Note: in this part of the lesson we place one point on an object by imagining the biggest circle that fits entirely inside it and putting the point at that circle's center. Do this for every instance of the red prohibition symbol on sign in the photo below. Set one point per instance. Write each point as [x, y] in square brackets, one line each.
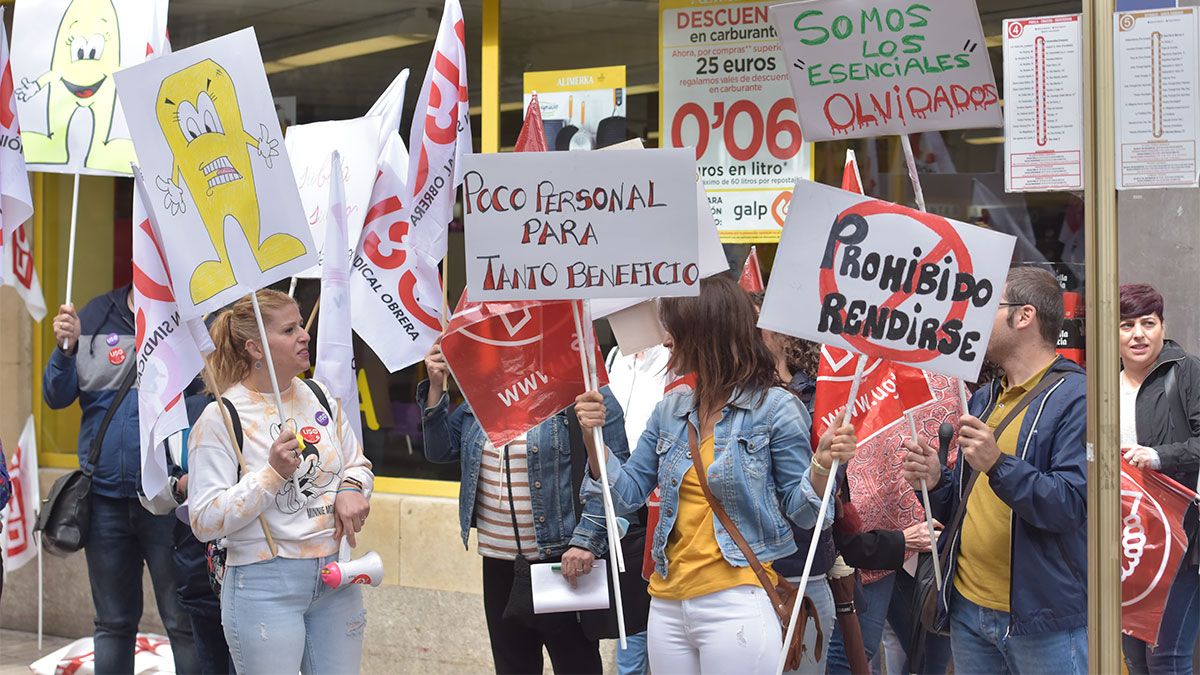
[949, 244]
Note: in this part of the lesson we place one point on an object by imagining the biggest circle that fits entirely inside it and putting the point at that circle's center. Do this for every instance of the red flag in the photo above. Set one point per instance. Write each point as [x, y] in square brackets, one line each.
[533, 134]
[1153, 544]
[751, 279]
[851, 180]
[516, 363]
[887, 391]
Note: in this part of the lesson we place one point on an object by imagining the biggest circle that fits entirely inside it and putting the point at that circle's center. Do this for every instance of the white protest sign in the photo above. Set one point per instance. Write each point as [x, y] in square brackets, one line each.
[566, 226]
[861, 69]
[712, 256]
[887, 281]
[220, 183]
[64, 55]
[309, 147]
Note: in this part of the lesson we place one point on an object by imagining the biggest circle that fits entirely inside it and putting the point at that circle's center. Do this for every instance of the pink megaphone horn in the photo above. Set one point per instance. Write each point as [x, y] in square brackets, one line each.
[367, 570]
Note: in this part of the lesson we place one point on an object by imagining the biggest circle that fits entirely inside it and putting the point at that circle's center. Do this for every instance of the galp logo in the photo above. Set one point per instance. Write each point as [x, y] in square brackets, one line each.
[779, 208]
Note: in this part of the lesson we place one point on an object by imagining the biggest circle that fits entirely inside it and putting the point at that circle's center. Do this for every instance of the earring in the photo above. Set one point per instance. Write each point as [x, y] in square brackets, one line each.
[258, 365]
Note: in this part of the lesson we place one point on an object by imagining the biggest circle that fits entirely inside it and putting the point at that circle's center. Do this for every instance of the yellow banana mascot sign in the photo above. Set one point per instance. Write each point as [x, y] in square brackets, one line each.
[215, 171]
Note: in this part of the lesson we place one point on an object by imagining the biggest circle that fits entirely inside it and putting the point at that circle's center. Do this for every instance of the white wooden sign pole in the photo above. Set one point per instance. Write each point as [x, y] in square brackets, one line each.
[616, 557]
[830, 481]
[262, 335]
[71, 245]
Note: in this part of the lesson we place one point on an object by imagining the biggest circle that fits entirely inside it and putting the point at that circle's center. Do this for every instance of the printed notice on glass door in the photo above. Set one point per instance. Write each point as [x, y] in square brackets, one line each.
[725, 93]
[1158, 106]
[1043, 95]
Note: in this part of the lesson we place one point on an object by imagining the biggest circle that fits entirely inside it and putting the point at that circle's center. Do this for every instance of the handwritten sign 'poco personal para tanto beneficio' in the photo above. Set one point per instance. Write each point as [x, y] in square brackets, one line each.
[882, 67]
[576, 225]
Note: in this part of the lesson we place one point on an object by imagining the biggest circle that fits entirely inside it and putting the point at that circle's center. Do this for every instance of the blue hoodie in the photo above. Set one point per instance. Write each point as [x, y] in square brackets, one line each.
[93, 374]
[1045, 484]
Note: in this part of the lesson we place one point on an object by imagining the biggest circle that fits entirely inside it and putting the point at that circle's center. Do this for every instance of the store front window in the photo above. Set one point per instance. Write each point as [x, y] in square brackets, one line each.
[961, 172]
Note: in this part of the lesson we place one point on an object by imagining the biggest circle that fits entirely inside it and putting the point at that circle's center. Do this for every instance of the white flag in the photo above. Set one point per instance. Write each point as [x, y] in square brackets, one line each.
[389, 107]
[441, 135]
[170, 352]
[335, 346]
[16, 204]
[395, 293]
[21, 512]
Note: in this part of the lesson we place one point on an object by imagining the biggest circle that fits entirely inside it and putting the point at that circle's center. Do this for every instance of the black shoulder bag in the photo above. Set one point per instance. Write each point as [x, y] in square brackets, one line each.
[66, 513]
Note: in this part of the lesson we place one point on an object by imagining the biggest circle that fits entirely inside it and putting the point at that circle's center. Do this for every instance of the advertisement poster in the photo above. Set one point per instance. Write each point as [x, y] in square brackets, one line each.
[884, 67]
[582, 109]
[1043, 121]
[1154, 56]
[724, 91]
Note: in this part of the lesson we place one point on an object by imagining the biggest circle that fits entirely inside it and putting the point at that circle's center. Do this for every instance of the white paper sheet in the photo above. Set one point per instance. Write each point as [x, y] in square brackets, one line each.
[552, 593]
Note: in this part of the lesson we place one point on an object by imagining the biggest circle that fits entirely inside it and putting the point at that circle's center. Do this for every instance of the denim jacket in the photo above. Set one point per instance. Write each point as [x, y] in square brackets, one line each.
[759, 472]
[457, 436]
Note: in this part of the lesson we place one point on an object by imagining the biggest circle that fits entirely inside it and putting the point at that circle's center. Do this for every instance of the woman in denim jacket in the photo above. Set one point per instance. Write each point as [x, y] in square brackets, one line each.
[708, 612]
[542, 504]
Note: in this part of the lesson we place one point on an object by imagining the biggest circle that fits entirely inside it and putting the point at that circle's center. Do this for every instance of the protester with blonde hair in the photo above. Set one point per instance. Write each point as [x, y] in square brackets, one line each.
[308, 480]
[710, 612]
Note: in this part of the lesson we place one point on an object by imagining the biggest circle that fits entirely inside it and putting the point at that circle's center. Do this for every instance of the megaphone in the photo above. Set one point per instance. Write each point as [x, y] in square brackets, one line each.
[367, 570]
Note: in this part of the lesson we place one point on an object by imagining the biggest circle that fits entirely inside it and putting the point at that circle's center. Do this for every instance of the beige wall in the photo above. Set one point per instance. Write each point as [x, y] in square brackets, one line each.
[16, 349]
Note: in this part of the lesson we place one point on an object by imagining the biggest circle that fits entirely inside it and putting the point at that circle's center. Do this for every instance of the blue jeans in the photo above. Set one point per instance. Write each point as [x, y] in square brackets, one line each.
[1176, 633]
[822, 598]
[634, 659]
[878, 597]
[280, 618]
[981, 644]
[122, 536]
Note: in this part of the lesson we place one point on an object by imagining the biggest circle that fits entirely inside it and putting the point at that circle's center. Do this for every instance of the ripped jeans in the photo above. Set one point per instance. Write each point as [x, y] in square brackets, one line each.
[280, 618]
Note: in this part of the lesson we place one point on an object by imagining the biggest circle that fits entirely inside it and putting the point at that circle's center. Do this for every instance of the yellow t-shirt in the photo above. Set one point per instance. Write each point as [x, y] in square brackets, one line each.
[984, 568]
[695, 566]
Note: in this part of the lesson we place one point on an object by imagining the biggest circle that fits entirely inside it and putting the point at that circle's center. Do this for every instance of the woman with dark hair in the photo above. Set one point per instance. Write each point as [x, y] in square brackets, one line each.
[709, 612]
[1160, 430]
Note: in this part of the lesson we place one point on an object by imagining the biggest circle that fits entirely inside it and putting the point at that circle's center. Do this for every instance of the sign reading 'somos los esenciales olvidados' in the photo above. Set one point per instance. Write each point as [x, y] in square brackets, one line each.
[887, 281]
[881, 67]
[562, 226]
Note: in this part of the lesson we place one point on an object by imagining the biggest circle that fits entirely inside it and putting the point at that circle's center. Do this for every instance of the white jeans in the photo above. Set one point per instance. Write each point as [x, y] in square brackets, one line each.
[730, 631]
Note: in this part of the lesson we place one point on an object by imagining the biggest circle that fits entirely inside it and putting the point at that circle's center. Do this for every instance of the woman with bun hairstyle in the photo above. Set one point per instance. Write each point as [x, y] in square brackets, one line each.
[709, 612]
[307, 484]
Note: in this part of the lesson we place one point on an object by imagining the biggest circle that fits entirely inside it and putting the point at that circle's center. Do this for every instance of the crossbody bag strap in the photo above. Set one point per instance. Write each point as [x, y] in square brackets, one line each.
[512, 506]
[727, 522]
[1046, 383]
[98, 439]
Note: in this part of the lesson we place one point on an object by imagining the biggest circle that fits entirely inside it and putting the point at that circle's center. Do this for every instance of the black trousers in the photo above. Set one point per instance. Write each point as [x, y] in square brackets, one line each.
[517, 645]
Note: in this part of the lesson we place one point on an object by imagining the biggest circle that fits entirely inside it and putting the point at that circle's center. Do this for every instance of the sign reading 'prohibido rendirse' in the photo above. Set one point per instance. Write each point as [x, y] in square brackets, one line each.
[884, 280]
[881, 67]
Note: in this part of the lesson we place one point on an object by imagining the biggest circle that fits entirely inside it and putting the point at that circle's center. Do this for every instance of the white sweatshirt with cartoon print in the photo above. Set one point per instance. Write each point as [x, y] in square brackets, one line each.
[226, 502]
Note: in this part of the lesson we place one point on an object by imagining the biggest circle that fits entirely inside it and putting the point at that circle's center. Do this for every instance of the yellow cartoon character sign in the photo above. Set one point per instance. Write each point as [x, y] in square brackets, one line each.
[65, 54]
[229, 211]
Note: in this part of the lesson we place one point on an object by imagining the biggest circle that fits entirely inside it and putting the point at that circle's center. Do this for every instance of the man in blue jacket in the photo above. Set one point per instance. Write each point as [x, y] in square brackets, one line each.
[1017, 565]
[98, 353]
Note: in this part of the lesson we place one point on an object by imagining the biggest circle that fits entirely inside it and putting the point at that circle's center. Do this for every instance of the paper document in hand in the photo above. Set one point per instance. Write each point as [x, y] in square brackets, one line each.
[553, 593]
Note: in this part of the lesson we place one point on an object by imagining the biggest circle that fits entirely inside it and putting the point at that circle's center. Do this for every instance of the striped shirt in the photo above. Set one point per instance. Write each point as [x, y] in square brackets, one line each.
[493, 509]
